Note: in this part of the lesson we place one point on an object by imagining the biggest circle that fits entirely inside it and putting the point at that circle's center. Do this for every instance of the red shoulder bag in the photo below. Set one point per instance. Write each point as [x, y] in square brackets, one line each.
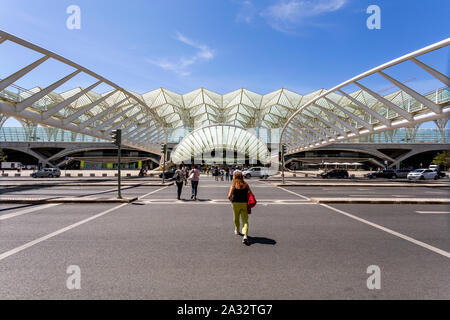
[251, 202]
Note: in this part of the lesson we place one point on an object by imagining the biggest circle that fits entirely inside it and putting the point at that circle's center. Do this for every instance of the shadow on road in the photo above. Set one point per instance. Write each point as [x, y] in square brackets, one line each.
[260, 240]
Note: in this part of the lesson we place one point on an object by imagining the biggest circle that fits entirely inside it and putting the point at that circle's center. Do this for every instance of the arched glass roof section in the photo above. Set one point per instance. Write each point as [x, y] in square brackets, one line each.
[339, 115]
[222, 136]
[79, 110]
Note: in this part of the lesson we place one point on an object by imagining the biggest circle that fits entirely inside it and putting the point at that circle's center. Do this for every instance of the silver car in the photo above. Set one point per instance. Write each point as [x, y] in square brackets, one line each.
[47, 173]
[422, 174]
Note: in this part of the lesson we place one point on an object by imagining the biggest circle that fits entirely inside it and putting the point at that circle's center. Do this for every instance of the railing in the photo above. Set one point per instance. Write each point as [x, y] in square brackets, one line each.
[17, 94]
[406, 135]
[40, 134]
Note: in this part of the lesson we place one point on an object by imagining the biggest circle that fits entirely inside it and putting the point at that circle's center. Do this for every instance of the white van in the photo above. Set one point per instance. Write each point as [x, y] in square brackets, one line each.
[257, 172]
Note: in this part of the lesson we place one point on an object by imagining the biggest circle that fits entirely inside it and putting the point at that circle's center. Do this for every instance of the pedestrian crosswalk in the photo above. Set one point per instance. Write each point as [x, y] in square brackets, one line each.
[221, 201]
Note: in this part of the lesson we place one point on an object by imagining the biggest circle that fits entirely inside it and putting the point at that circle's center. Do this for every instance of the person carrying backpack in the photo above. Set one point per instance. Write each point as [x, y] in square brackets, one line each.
[238, 195]
[180, 178]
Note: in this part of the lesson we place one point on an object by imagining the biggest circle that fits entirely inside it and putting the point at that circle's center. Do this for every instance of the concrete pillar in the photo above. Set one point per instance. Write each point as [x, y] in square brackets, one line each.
[441, 123]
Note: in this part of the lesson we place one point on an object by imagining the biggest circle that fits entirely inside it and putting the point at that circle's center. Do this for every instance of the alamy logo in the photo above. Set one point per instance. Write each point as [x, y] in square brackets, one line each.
[74, 20]
[374, 280]
[373, 21]
[74, 280]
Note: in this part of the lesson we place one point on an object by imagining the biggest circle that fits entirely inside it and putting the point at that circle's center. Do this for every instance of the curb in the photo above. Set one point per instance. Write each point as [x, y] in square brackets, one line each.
[67, 200]
[429, 185]
[87, 184]
[381, 200]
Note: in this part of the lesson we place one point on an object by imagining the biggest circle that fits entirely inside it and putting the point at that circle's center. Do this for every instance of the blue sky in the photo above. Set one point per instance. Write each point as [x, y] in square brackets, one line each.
[223, 45]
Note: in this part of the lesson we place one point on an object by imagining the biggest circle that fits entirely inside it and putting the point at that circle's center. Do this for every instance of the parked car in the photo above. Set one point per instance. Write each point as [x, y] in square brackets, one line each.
[388, 173]
[436, 168]
[47, 173]
[334, 173]
[422, 174]
[168, 174]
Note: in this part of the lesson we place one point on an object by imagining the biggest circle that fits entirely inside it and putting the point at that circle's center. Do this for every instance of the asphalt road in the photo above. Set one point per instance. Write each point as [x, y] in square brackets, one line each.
[160, 248]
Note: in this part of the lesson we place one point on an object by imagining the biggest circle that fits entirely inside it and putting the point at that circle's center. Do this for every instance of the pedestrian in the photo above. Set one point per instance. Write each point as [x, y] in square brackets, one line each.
[238, 193]
[227, 174]
[216, 173]
[222, 173]
[180, 178]
[194, 176]
[184, 169]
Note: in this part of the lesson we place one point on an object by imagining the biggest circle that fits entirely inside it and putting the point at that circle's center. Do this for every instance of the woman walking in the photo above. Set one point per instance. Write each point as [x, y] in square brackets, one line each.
[238, 197]
[194, 176]
[180, 178]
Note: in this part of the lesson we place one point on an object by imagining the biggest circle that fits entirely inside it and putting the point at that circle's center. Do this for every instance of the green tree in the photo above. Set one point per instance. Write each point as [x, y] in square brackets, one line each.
[442, 159]
[3, 156]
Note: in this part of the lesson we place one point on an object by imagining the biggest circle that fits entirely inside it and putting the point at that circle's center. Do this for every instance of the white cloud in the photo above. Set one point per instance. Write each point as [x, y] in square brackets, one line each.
[180, 66]
[287, 14]
[247, 12]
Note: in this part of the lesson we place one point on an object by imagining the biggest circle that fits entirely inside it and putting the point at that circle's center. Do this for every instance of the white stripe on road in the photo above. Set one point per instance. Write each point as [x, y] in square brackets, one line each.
[29, 210]
[54, 234]
[191, 202]
[433, 212]
[41, 207]
[298, 195]
[395, 233]
[152, 192]
[60, 231]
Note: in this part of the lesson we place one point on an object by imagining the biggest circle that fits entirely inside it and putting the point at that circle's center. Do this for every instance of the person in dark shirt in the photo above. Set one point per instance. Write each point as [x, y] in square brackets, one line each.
[238, 197]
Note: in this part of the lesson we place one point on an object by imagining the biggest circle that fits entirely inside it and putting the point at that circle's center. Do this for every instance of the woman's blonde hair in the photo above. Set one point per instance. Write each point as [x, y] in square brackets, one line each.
[238, 181]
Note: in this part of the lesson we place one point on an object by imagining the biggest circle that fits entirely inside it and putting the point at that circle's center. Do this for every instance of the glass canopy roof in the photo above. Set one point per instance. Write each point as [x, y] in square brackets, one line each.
[225, 137]
[241, 107]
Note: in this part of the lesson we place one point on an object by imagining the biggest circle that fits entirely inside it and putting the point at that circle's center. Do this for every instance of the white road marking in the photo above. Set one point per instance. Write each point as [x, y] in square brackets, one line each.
[190, 202]
[41, 207]
[298, 195]
[58, 232]
[152, 192]
[395, 233]
[433, 212]
[29, 210]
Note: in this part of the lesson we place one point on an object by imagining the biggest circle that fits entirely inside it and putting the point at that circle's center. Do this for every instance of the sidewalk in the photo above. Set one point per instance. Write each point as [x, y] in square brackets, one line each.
[65, 200]
[361, 184]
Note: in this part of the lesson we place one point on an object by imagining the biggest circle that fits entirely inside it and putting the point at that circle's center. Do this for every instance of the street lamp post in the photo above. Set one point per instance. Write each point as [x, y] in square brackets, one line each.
[117, 138]
[163, 151]
[283, 150]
